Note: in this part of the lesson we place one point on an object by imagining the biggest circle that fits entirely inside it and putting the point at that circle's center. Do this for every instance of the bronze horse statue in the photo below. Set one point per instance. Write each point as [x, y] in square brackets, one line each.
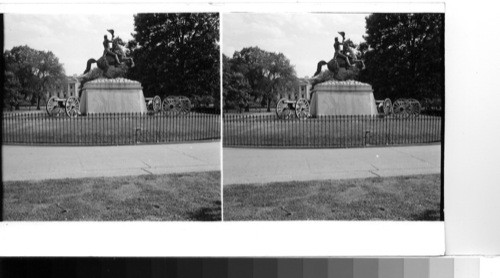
[338, 62]
[107, 60]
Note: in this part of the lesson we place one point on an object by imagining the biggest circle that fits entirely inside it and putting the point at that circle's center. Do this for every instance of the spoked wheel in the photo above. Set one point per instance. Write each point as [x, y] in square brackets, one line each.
[280, 106]
[387, 107]
[72, 107]
[400, 108]
[156, 103]
[52, 107]
[169, 106]
[302, 109]
[414, 107]
[184, 105]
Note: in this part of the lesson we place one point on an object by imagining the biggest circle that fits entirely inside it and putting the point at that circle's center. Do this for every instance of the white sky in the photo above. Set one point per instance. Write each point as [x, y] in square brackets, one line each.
[304, 38]
[72, 38]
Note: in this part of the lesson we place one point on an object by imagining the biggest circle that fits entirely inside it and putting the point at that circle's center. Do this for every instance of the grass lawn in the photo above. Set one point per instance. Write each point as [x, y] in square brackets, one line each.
[395, 198]
[329, 131]
[109, 129]
[174, 197]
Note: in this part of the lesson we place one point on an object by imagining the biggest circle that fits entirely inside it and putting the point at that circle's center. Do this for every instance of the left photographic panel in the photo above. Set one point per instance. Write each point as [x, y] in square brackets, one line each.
[111, 117]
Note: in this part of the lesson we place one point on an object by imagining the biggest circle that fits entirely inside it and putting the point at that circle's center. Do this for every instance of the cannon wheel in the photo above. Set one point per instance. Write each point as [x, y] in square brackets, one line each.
[414, 107]
[72, 107]
[280, 106]
[400, 108]
[387, 107]
[302, 109]
[169, 106]
[183, 105]
[157, 105]
[52, 107]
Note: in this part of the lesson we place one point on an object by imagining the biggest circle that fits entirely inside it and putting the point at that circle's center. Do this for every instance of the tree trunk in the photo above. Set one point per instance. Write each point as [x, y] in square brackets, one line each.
[268, 104]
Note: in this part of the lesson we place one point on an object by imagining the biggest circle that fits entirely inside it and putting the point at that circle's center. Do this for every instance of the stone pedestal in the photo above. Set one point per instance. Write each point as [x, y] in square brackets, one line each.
[343, 98]
[117, 95]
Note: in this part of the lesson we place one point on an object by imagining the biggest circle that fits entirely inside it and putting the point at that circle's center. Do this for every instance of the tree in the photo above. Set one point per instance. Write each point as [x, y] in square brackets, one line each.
[405, 56]
[236, 90]
[12, 89]
[36, 72]
[177, 54]
[268, 74]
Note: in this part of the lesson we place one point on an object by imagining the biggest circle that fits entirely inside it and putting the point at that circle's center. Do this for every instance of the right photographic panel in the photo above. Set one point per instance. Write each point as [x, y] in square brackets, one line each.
[333, 116]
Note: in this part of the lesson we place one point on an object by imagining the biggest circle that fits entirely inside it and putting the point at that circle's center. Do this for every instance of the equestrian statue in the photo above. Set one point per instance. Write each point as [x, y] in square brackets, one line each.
[346, 58]
[114, 61]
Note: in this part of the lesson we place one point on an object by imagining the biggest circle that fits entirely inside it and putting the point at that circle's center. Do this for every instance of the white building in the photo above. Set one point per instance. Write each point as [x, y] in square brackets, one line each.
[68, 89]
[304, 89]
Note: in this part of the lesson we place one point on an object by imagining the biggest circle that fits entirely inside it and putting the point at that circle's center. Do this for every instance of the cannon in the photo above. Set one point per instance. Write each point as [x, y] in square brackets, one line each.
[57, 106]
[401, 108]
[384, 107]
[406, 107]
[154, 104]
[176, 105]
[285, 109]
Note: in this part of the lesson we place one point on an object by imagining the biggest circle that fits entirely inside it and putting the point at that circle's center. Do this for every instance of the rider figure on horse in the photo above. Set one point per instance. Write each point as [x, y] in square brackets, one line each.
[338, 53]
[108, 44]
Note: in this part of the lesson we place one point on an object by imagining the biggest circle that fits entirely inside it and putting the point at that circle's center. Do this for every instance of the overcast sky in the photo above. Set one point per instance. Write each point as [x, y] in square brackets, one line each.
[304, 38]
[72, 38]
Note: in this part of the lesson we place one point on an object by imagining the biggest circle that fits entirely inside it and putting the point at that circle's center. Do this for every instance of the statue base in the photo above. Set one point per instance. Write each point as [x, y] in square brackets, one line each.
[343, 98]
[117, 95]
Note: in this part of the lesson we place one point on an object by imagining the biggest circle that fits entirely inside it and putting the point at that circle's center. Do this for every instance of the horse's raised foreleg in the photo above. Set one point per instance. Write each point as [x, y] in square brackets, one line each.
[318, 69]
[89, 64]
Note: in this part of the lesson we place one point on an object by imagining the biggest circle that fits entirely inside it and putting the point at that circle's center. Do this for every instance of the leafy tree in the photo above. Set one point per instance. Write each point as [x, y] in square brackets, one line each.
[177, 54]
[35, 73]
[405, 55]
[236, 90]
[268, 74]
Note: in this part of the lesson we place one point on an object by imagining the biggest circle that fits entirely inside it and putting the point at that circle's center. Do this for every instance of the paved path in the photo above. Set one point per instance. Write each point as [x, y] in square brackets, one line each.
[242, 166]
[38, 163]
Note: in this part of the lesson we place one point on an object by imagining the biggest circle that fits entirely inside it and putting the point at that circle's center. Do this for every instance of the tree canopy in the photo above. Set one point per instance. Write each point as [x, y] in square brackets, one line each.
[264, 75]
[178, 54]
[405, 55]
[31, 74]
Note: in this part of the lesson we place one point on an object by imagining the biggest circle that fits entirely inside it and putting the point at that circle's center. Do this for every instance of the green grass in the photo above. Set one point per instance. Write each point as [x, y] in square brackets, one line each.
[109, 129]
[329, 131]
[174, 197]
[395, 198]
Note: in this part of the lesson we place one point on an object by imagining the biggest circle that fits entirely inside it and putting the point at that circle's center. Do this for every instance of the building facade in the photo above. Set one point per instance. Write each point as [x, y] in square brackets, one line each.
[69, 88]
[304, 90]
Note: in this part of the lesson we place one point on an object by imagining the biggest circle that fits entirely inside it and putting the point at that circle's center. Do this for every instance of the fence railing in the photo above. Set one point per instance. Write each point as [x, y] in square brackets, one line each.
[108, 129]
[329, 131]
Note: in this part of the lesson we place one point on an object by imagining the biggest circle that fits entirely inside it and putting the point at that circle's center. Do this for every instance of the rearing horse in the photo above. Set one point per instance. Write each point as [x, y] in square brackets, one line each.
[106, 61]
[335, 64]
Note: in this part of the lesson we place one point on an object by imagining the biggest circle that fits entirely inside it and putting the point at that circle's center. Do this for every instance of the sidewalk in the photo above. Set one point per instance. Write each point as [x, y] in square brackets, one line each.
[38, 163]
[243, 166]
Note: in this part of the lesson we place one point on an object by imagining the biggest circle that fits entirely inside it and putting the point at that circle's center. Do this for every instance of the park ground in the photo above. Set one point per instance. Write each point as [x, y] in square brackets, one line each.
[401, 198]
[191, 196]
[170, 182]
[386, 183]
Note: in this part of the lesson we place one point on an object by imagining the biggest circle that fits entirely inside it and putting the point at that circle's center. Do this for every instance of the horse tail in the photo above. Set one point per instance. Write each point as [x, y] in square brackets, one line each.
[320, 65]
[89, 63]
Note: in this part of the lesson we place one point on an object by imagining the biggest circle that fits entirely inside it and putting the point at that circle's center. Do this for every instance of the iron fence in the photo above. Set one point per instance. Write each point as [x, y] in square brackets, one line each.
[330, 131]
[108, 129]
